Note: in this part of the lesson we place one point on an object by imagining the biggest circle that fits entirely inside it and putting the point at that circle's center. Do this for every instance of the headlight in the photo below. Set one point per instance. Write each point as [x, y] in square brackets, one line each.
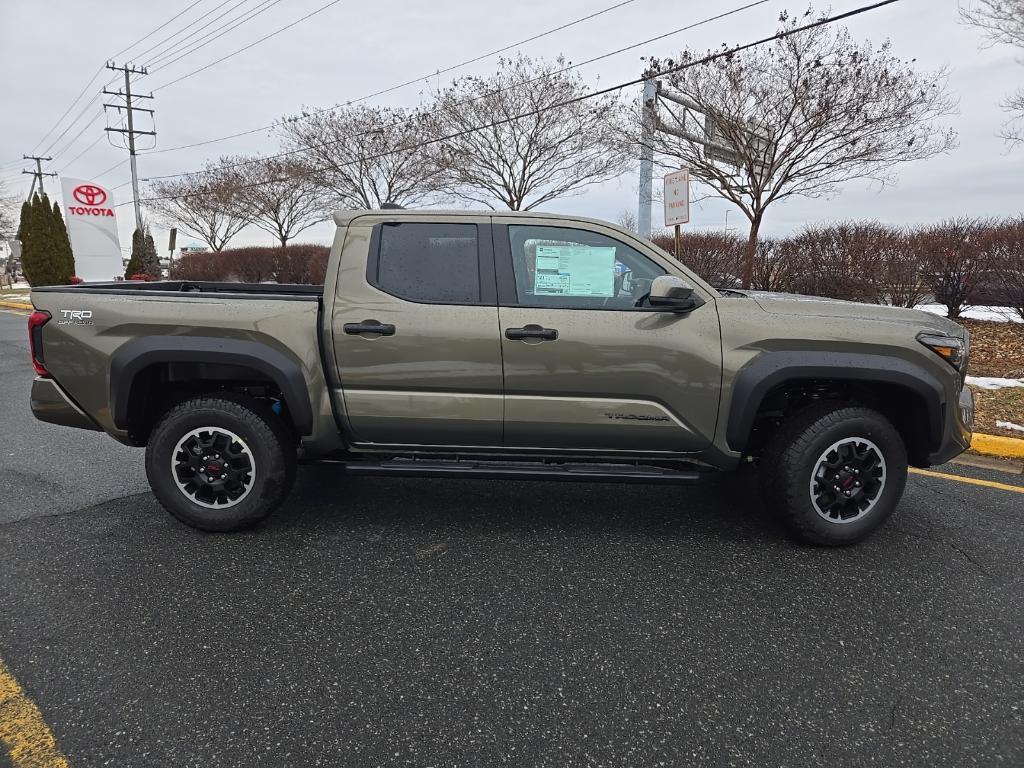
[952, 349]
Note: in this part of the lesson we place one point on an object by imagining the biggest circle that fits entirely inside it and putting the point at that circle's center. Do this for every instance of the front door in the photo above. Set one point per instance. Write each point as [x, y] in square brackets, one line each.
[415, 331]
[588, 366]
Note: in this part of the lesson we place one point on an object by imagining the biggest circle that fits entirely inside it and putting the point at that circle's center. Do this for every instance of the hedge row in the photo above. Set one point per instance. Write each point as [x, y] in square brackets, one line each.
[291, 264]
[957, 263]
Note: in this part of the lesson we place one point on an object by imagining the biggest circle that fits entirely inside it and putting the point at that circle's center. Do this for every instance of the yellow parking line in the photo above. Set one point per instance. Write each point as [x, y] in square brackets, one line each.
[969, 480]
[29, 741]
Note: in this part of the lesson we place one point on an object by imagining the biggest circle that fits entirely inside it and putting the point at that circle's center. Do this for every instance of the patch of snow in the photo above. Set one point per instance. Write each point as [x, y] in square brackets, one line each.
[996, 314]
[991, 382]
[1009, 425]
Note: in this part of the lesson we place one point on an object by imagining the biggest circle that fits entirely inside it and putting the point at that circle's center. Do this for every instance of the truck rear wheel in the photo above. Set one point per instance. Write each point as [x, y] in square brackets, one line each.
[220, 462]
[834, 473]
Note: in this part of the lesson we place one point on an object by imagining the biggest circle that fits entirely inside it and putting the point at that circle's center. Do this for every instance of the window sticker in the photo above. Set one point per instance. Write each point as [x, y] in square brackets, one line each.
[574, 270]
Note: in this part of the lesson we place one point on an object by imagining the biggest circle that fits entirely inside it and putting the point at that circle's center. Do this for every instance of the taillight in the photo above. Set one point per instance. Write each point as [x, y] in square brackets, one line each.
[36, 321]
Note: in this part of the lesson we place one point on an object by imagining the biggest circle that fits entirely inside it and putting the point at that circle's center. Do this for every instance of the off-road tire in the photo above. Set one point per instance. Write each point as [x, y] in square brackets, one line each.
[269, 447]
[791, 459]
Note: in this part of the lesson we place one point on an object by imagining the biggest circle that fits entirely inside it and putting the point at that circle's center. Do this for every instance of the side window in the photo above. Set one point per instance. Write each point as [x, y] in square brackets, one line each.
[576, 269]
[430, 263]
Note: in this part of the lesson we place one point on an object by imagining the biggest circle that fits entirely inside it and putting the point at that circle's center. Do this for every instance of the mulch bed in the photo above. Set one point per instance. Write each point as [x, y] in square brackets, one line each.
[999, 405]
[997, 349]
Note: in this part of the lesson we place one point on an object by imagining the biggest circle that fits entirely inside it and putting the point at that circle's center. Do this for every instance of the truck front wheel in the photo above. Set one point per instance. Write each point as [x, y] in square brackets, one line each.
[834, 473]
[220, 462]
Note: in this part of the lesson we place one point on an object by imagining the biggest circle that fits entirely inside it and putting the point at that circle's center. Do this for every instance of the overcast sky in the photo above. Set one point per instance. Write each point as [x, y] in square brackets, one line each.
[50, 50]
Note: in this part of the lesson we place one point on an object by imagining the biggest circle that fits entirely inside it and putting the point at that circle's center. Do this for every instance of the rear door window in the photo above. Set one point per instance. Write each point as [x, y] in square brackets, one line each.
[428, 263]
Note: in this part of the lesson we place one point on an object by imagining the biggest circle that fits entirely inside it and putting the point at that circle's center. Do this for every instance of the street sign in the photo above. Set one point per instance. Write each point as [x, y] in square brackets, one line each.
[92, 228]
[677, 198]
[720, 150]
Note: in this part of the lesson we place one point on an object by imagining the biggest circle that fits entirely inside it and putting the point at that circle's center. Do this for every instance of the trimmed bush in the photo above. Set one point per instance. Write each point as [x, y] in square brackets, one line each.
[291, 264]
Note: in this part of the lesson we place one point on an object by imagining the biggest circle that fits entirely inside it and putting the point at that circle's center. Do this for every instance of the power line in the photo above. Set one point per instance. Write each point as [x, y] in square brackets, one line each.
[493, 92]
[85, 89]
[81, 154]
[89, 123]
[309, 15]
[150, 34]
[77, 157]
[227, 27]
[72, 124]
[781, 35]
[114, 167]
[178, 45]
[72, 106]
[185, 28]
[451, 68]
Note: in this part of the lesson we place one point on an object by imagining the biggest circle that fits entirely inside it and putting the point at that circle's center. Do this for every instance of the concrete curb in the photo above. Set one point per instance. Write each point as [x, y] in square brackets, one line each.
[16, 305]
[995, 445]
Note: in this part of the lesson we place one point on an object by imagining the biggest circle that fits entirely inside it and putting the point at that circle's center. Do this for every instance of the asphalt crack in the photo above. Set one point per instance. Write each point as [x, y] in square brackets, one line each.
[977, 564]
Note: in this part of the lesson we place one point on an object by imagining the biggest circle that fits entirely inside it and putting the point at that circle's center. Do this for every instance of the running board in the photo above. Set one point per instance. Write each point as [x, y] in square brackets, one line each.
[578, 473]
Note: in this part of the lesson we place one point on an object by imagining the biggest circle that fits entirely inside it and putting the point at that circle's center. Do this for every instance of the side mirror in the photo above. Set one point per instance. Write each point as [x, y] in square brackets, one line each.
[672, 294]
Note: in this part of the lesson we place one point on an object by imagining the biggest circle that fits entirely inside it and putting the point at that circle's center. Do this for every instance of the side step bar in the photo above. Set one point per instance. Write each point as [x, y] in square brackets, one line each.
[578, 473]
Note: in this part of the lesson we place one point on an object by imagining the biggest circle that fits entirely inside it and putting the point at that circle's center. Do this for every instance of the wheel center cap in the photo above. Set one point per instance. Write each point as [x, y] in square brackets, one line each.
[214, 468]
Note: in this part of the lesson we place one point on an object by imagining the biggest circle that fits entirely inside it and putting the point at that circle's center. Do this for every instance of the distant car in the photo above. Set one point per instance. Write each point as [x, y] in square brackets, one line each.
[509, 345]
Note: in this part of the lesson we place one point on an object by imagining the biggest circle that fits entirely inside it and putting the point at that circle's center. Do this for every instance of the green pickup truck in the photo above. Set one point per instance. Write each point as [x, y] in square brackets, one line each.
[504, 345]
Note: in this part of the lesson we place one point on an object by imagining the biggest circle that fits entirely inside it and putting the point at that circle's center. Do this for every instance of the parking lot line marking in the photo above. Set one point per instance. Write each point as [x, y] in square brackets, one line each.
[29, 741]
[969, 480]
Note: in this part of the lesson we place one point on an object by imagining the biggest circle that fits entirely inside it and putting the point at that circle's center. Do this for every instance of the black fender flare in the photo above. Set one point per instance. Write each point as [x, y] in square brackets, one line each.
[770, 369]
[134, 356]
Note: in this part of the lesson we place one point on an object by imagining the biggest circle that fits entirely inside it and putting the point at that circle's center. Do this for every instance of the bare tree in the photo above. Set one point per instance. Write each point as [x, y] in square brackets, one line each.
[845, 260]
[712, 255]
[281, 196]
[8, 212]
[778, 265]
[627, 220]
[201, 204]
[1008, 257]
[955, 256]
[365, 157]
[555, 150]
[1002, 23]
[799, 117]
[904, 281]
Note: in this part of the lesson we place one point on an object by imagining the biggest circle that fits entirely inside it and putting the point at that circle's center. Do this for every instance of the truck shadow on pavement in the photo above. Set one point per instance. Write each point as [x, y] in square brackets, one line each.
[724, 507]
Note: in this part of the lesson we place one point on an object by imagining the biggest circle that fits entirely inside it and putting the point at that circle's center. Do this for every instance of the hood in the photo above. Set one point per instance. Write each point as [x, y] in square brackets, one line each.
[818, 306]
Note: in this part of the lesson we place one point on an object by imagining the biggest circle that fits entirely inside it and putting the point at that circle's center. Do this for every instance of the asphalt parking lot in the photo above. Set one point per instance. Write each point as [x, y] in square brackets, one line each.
[478, 623]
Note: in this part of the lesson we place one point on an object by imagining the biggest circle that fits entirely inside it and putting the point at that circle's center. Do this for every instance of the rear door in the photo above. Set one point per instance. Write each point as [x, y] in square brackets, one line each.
[415, 333]
[587, 364]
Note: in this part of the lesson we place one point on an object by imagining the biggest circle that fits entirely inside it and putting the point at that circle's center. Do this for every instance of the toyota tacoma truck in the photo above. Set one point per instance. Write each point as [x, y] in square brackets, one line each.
[504, 345]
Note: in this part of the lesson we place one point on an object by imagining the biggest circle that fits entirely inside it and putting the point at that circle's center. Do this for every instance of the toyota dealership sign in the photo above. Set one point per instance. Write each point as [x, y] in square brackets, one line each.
[92, 227]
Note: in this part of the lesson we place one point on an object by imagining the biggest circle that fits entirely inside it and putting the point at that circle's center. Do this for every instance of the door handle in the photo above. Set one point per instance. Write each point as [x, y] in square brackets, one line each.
[531, 332]
[369, 326]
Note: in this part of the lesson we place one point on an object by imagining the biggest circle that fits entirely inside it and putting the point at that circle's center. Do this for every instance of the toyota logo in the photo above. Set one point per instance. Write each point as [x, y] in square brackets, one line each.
[89, 194]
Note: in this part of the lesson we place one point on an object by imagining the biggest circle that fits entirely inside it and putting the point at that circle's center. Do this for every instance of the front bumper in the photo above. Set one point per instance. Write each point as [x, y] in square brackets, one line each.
[52, 405]
[959, 430]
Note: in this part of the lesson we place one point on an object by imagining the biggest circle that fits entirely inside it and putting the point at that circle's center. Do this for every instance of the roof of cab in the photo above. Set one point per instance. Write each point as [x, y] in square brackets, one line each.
[344, 218]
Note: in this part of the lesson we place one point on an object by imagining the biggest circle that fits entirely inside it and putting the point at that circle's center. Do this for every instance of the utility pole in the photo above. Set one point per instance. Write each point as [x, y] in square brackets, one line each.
[37, 174]
[647, 123]
[130, 131]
